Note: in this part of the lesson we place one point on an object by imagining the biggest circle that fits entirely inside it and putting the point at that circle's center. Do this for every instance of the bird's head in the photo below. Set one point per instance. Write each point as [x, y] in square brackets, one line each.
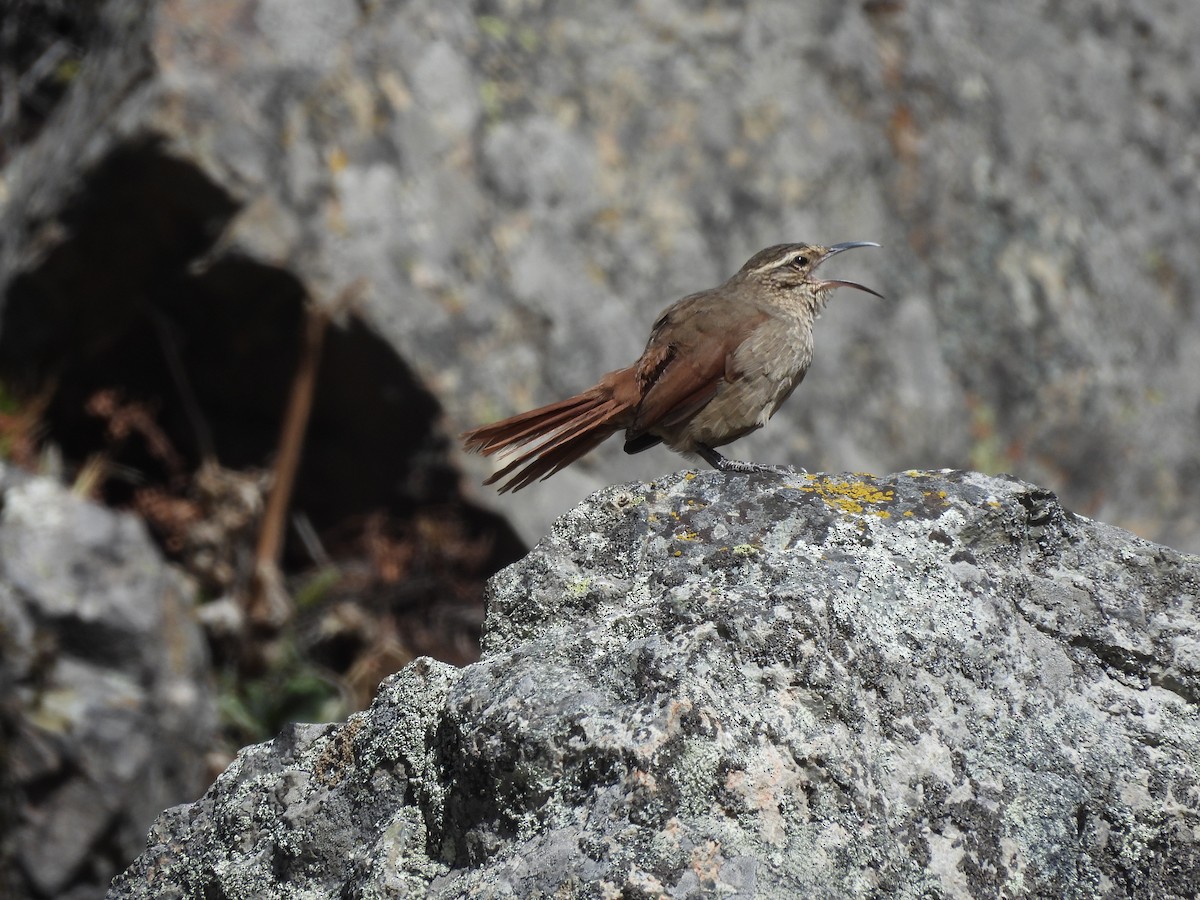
[792, 266]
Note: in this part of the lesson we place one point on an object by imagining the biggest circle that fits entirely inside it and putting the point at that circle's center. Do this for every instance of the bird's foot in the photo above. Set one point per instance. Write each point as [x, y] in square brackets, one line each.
[737, 465]
[721, 463]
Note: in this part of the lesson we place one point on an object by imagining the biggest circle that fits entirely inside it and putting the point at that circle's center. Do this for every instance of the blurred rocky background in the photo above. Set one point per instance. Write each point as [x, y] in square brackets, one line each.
[417, 217]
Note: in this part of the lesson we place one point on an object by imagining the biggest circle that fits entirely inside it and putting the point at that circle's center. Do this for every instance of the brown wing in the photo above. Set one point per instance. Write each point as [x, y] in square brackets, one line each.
[687, 360]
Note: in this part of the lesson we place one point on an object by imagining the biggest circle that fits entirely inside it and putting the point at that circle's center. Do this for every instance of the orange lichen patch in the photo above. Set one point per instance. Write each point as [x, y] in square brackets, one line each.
[934, 499]
[855, 497]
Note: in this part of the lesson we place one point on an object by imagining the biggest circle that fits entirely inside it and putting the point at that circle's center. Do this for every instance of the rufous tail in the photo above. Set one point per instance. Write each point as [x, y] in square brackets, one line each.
[559, 434]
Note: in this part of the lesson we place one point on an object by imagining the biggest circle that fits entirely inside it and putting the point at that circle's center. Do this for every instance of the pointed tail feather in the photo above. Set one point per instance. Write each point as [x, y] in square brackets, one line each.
[521, 428]
[557, 435]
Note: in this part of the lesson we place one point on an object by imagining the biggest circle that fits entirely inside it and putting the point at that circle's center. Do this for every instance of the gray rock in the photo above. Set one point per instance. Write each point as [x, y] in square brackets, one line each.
[926, 685]
[107, 711]
[526, 186]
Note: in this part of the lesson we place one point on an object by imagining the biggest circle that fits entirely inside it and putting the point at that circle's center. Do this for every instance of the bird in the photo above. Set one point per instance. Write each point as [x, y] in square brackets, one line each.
[718, 364]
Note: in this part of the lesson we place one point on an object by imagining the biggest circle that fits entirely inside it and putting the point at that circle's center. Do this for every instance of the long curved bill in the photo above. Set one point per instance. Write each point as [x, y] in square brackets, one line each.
[849, 284]
[848, 245]
[838, 248]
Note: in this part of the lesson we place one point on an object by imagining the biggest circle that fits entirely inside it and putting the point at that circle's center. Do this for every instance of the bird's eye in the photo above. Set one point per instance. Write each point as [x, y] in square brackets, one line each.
[800, 262]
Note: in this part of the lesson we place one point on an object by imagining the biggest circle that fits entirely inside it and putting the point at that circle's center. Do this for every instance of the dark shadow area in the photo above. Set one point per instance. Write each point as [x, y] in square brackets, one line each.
[141, 217]
[149, 372]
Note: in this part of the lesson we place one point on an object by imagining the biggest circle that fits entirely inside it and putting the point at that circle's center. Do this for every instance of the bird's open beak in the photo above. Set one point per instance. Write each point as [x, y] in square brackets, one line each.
[849, 245]
[836, 249]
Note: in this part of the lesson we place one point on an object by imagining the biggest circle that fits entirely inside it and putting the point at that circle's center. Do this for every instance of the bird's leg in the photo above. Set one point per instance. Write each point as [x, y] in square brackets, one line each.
[717, 461]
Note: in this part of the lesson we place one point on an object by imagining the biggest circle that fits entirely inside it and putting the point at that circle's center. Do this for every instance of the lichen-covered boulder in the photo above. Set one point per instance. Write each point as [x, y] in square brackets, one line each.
[926, 685]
